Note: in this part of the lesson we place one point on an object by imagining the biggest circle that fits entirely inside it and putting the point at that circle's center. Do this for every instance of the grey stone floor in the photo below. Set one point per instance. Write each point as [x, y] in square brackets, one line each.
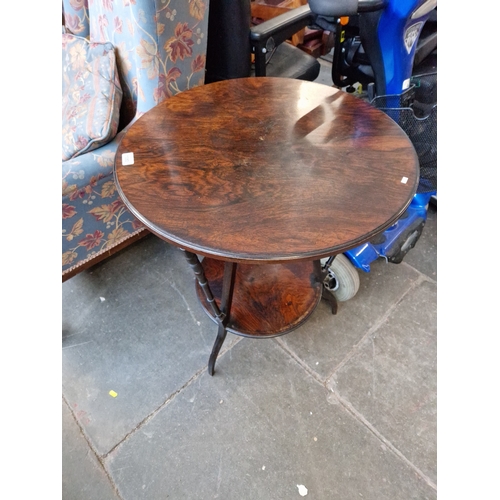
[344, 406]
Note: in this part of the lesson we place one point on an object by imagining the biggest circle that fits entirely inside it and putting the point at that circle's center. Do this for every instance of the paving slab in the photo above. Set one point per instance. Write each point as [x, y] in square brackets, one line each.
[260, 428]
[391, 381]
[133, 326]
[83, 477]
[326, 339]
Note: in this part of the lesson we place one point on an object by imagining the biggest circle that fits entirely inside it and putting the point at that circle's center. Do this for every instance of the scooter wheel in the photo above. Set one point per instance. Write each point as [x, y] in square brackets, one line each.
[342, 279]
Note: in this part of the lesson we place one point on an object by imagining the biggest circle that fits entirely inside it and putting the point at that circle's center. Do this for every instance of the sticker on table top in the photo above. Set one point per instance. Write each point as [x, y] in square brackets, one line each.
[404, 180]
[113, 394]
[127, 158]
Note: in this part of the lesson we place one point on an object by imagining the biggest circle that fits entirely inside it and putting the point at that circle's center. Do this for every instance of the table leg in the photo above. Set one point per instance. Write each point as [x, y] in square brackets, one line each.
[322, 272]
[221, 314]
[226, 299]
[202, 280]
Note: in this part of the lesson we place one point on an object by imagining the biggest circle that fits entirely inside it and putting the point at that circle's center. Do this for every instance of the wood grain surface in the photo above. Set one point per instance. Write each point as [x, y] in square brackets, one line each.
[268, 300]
[266, 170]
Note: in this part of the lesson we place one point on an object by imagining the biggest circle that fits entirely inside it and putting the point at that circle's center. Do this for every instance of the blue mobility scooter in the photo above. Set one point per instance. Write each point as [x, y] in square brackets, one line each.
[386, 52]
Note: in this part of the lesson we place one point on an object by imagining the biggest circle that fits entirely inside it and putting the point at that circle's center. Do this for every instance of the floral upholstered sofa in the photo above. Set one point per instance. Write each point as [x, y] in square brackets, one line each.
[119, 59]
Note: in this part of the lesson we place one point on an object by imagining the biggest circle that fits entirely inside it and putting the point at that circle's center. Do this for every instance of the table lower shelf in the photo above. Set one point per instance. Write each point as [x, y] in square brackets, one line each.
[268, 299]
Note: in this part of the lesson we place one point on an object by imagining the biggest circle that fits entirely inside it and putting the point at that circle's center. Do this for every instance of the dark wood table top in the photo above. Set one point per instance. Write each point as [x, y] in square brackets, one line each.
[266, 170]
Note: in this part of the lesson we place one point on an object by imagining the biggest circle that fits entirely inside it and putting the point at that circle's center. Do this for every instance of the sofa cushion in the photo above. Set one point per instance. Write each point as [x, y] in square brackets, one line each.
[91, 95]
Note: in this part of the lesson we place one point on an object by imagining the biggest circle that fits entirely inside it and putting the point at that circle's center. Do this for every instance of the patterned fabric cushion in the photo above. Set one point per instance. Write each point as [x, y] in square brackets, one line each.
[76, 17]
[91, 95]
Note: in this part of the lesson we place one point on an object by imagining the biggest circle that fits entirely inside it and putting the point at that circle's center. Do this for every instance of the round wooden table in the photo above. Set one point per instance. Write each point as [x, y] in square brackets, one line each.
[263, 177]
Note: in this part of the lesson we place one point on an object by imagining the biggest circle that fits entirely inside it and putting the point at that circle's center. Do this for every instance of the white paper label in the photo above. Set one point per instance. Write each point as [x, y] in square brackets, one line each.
[127, 158]
[404, 180]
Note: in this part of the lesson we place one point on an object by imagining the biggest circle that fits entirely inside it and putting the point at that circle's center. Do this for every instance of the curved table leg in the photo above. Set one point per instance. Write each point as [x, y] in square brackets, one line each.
[328, 296]
[221, 336]
[221, 314]
[321, 273]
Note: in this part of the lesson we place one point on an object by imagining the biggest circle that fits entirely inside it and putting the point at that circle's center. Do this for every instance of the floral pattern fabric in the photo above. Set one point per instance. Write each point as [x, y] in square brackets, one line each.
[76, 17]
[160, 48]
[91, 95]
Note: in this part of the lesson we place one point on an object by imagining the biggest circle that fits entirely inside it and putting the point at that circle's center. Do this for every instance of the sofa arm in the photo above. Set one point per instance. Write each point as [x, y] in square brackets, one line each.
[95, 222]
